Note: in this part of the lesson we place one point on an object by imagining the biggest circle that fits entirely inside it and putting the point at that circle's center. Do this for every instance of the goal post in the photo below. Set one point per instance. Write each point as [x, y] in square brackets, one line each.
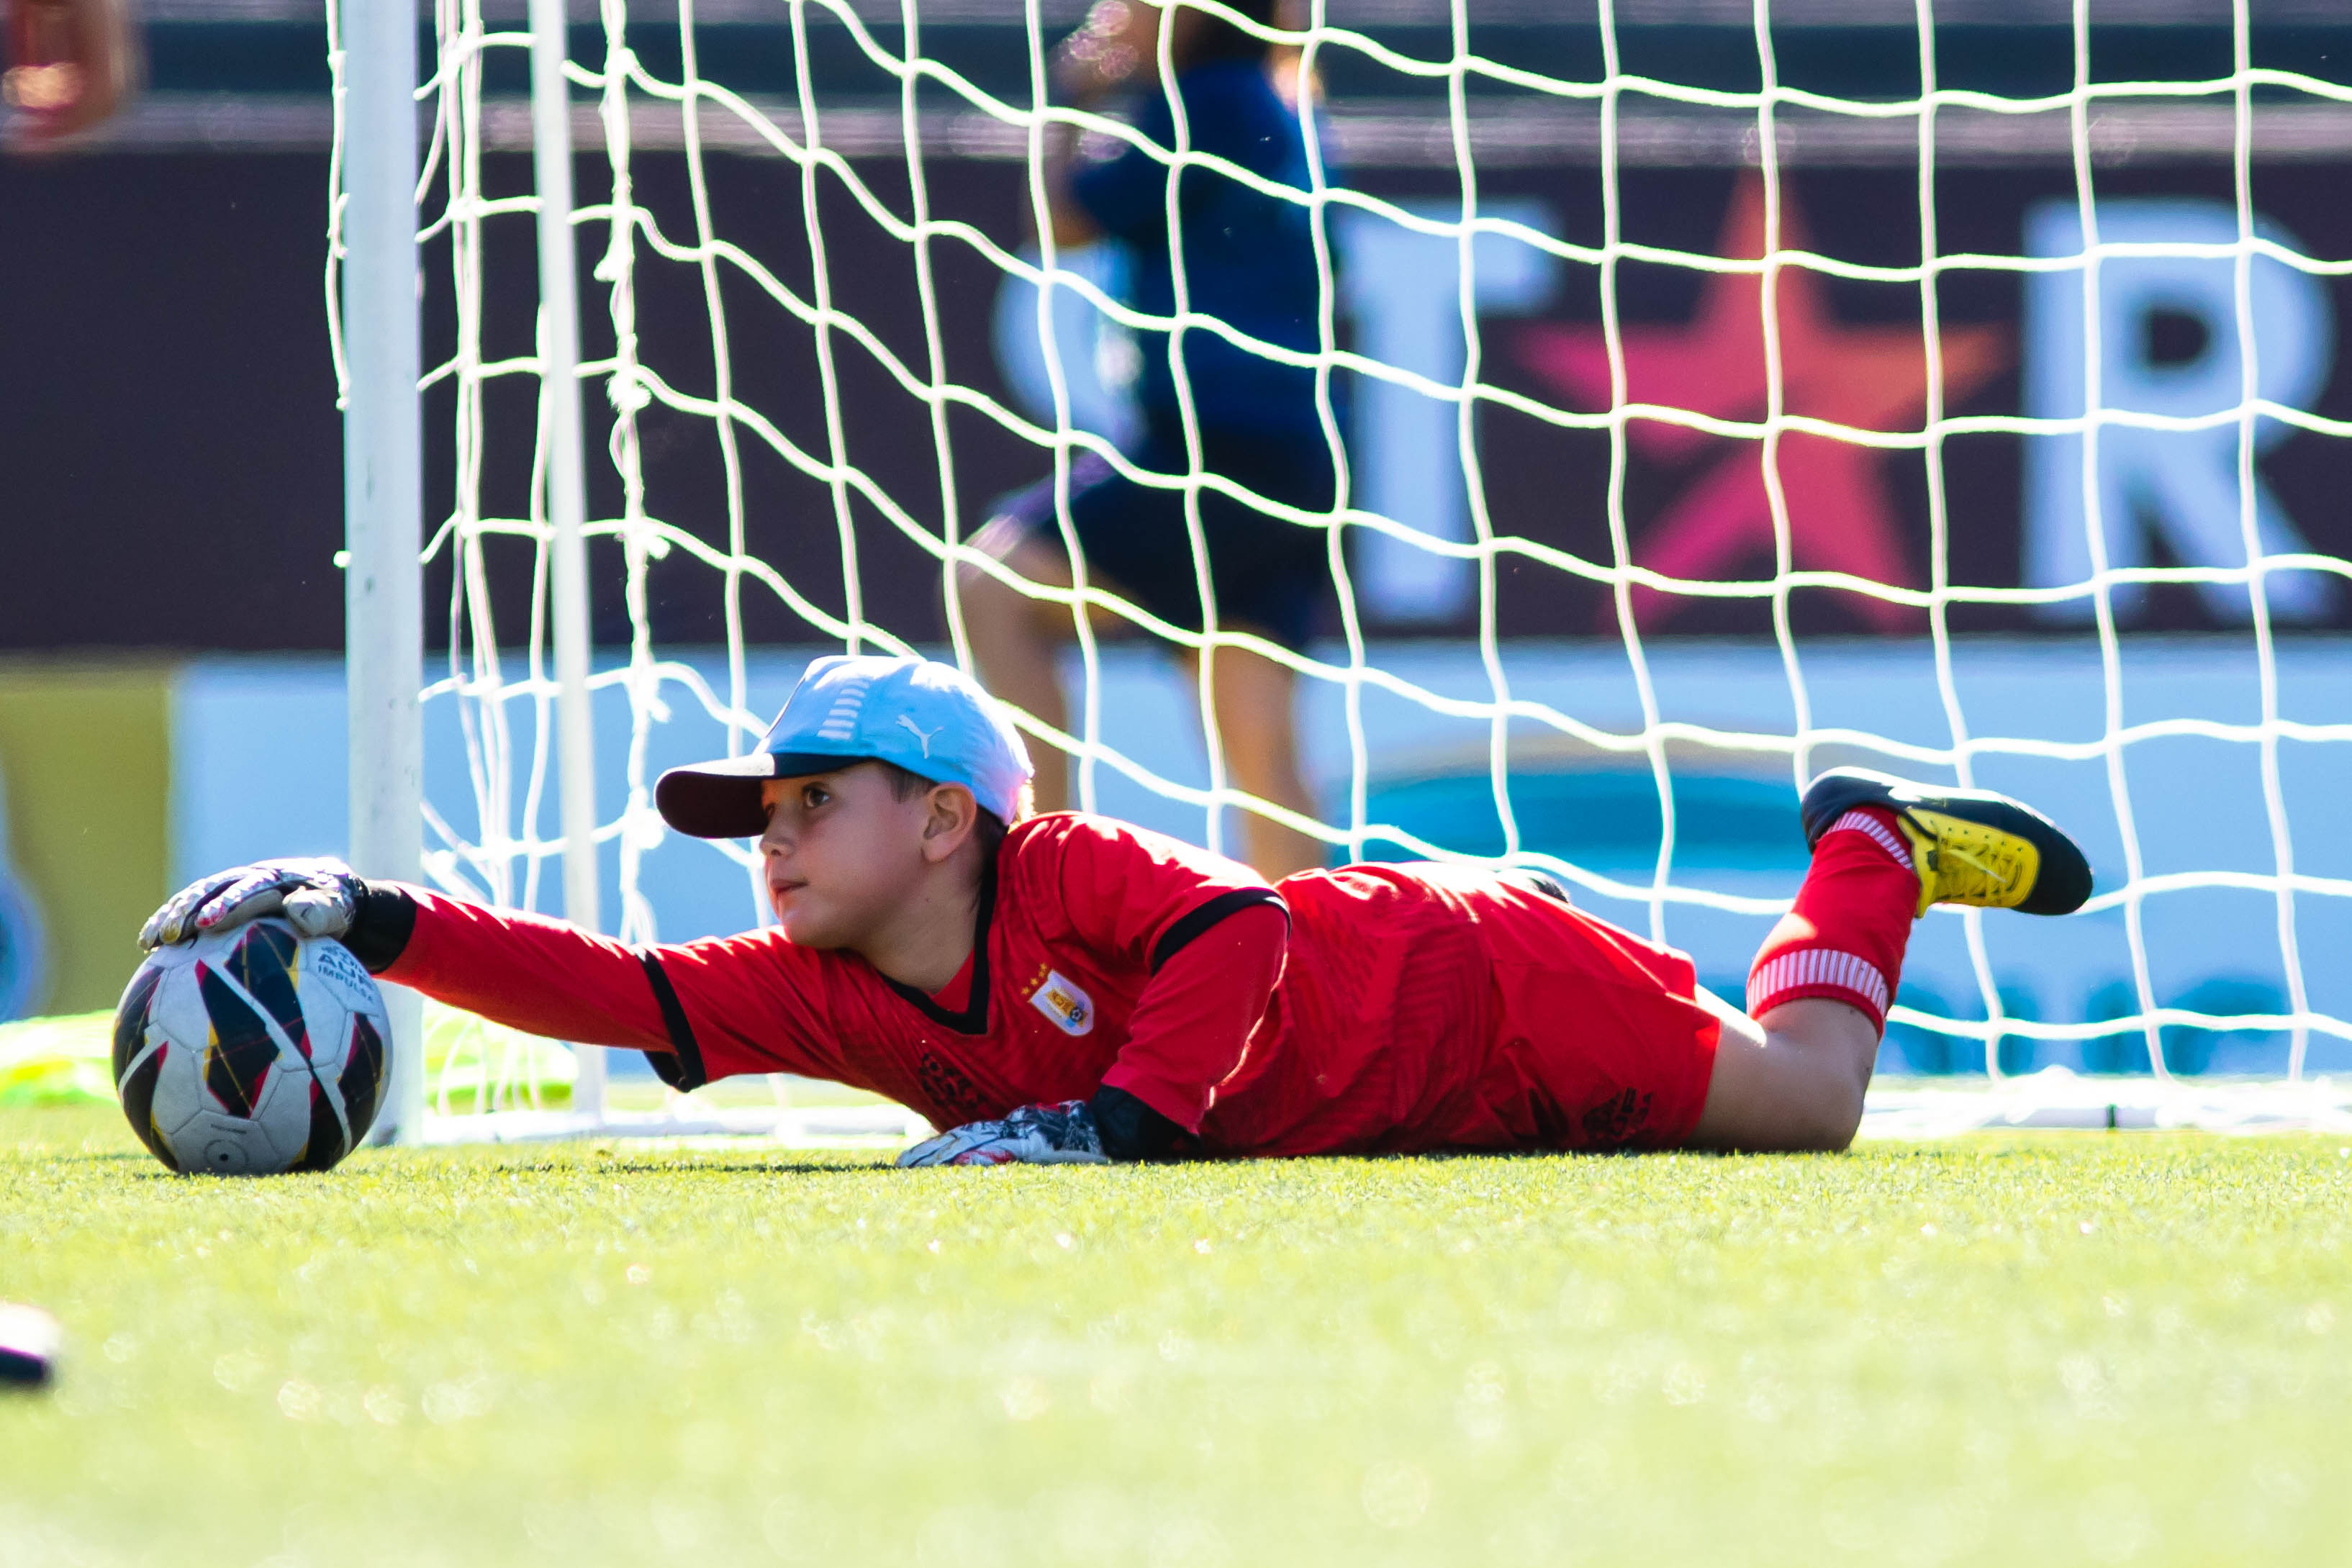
[374, 251]
[373, 247]
[1577, 581]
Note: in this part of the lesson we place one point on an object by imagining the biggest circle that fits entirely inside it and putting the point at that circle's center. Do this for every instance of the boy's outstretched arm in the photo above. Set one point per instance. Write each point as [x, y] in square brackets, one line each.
[754, 1000]
[538, 975]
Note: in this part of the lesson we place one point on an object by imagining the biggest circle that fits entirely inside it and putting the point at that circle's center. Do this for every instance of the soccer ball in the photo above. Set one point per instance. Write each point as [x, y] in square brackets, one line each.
[251, 1051]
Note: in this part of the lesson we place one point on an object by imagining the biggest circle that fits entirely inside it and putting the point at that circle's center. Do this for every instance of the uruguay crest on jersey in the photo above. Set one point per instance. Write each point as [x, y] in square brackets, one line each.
[1060, 999]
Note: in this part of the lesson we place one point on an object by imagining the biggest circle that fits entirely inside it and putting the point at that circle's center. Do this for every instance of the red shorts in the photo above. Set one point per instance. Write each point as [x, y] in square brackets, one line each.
[1599, 1039]
[1430, 1007]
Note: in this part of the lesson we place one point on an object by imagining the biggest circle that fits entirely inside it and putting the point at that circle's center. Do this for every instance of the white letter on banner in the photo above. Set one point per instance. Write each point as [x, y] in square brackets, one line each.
[2183, 484]
[1404, 288]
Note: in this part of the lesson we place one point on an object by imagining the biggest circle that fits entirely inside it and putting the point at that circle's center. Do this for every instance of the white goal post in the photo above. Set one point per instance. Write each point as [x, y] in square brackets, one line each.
[1688, 733]
[375, 316]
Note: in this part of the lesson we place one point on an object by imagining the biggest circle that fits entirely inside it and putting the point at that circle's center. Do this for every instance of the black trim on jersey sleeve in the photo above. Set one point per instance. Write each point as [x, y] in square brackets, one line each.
[974, 1020]
[680, 1067]
[381, 925]
[1182, 932]
[1130, 1129]
[1534, 881]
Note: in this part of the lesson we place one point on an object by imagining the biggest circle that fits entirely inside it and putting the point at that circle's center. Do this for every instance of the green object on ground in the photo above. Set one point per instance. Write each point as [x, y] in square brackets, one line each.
[68, 1061]
[62, 1061]
[2067, 1349]
[468, 1058]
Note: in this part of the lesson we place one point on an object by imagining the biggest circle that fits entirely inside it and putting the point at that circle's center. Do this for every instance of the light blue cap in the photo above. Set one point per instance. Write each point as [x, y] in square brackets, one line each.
[928, 717]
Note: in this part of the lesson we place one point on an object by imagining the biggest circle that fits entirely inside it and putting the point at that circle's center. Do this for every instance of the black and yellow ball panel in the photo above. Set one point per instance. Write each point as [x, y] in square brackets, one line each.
[135, 1079]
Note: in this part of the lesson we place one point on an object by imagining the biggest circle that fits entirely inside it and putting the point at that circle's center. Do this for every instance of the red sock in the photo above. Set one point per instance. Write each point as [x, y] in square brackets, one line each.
[1844, 939]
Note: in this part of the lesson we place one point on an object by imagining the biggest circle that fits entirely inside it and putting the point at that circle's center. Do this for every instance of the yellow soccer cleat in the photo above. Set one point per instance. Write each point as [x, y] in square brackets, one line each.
[1969, 846]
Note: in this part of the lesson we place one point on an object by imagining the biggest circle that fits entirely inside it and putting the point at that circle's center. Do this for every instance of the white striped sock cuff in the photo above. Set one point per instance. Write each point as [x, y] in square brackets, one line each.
[1879, 834]
[1810, 966]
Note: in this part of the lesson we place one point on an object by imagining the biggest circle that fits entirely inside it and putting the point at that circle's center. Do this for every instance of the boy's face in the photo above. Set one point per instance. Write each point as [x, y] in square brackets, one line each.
[843, 852]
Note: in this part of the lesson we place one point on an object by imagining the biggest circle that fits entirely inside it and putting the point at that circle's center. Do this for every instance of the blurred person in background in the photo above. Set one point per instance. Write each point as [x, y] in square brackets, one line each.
[68, 64]
[1248, 260]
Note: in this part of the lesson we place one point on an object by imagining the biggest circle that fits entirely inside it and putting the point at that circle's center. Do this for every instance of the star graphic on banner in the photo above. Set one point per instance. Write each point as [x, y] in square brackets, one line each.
[1841, 517]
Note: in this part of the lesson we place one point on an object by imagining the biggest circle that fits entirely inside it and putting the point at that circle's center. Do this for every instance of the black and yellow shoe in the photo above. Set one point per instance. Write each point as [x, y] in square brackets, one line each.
[1969, 846]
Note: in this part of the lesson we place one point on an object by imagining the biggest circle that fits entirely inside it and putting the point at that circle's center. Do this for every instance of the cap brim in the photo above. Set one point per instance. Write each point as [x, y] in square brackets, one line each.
[720, 799]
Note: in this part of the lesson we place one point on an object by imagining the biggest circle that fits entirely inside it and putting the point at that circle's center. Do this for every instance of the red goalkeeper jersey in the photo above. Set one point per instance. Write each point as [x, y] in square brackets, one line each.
[1376, 1008]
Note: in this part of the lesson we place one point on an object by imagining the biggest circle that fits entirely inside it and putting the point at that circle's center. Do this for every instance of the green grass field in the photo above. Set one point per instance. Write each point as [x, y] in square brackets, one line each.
[2066, 1349]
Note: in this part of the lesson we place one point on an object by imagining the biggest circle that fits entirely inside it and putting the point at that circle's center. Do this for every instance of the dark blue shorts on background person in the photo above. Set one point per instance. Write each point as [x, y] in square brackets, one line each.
[1270, 575]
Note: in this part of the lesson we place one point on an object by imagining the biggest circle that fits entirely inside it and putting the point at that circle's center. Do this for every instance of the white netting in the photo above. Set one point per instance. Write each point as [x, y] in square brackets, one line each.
[1777, 708]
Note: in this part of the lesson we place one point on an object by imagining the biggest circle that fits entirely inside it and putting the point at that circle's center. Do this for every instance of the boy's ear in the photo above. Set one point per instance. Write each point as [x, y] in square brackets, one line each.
[949, 815]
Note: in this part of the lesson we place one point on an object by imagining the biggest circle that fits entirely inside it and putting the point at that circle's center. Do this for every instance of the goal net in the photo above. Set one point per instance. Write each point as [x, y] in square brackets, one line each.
[1718, 395]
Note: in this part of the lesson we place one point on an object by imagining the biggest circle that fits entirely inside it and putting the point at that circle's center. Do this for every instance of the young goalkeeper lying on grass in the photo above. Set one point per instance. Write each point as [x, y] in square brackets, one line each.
[1065, 988]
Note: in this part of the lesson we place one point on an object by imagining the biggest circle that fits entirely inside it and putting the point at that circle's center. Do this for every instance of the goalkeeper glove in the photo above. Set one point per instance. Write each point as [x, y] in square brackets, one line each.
[1059, 1134]
[318, 898]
